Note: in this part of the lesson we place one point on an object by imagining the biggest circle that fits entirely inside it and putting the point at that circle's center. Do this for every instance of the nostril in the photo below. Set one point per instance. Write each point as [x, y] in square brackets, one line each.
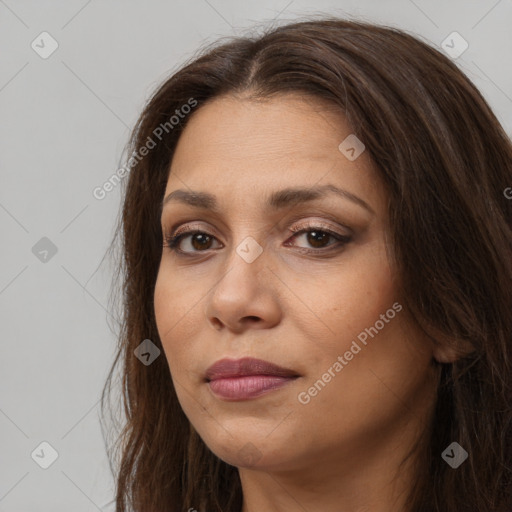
[217, 324]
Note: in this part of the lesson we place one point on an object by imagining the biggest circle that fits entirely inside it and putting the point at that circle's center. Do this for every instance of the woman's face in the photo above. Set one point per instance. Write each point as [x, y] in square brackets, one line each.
[321, 303]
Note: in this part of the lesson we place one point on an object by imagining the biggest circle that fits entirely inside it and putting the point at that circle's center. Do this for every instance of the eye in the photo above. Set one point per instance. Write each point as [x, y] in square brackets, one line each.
[201, 241]
[318, 237]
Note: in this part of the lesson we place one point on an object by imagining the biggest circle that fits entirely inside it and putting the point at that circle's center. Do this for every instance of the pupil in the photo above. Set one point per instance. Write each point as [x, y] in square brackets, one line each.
[315, 238]
[200, 239]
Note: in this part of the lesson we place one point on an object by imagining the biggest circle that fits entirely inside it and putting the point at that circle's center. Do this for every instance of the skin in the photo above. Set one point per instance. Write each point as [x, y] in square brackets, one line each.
[341, 450]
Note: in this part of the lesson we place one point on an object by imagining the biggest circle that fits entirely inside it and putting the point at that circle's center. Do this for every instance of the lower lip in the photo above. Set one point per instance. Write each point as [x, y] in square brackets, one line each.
[247, 387]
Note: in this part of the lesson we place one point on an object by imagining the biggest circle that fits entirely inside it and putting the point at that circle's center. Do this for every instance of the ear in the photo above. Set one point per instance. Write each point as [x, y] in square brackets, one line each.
[449, 352]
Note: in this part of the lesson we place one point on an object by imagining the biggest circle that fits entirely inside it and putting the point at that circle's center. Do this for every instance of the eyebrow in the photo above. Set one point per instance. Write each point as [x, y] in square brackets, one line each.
[277, 200]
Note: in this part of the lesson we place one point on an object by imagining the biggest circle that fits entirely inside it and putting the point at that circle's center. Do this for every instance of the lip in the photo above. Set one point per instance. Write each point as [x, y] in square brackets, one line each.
[246, 378]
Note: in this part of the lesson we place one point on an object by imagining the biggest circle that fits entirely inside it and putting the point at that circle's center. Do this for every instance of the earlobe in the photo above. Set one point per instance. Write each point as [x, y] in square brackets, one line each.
[445, 354]
[449, 353]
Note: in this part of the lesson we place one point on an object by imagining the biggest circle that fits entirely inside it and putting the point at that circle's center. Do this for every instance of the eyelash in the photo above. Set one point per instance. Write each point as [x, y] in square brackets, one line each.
[173, 240]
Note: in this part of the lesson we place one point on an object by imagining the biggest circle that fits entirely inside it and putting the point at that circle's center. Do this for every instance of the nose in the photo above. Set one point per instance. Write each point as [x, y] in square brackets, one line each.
[246, 296]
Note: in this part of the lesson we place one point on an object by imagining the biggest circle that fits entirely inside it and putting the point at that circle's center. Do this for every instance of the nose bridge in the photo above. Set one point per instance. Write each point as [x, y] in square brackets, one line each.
[245, 261]
[243, 291]
[248, 235]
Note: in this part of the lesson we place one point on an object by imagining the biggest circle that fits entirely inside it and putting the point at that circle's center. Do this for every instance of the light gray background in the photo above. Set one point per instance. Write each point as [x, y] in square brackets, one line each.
[64, 122]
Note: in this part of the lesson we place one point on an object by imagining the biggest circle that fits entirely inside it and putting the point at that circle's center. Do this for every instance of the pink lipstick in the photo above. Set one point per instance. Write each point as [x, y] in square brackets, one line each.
[246, 378]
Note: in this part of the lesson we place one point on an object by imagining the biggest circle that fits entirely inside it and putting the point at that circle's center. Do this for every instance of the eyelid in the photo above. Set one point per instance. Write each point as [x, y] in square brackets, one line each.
[323, 219]
[308, 225]
[185, 229]
[319, 224]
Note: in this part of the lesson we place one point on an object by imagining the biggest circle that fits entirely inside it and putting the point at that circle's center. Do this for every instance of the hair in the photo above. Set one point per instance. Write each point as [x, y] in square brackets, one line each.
[445, 161]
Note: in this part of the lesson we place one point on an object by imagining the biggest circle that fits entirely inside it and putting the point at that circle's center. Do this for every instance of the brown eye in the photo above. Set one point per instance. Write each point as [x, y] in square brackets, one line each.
[318, 238]
[199, 241]
[195, 241]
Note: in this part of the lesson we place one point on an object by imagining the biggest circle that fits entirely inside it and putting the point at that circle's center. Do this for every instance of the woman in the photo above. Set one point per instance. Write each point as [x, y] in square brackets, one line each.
[343, 343]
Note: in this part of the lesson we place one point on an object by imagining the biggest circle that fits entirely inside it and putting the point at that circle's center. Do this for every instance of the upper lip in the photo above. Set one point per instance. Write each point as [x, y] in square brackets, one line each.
[225, 368]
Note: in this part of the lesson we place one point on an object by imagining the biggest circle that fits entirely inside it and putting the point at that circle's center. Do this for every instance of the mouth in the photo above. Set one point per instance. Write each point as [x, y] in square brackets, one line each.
[246, 378]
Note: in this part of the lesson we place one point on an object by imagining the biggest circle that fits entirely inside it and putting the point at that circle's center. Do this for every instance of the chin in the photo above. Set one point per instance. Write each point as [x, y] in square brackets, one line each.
[251, 448]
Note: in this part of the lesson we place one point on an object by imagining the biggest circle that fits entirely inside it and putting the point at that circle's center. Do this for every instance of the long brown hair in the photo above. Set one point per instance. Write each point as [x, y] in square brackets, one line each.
[446, 162]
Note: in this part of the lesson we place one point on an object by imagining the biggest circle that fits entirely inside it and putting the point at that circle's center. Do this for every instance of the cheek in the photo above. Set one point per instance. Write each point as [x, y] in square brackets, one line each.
[361, 303]
[176, 313]
[353, 295]
[166, 304]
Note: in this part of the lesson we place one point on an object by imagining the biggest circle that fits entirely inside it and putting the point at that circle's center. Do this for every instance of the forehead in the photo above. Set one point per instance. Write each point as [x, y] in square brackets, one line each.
[286, 126]
[238, 145]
